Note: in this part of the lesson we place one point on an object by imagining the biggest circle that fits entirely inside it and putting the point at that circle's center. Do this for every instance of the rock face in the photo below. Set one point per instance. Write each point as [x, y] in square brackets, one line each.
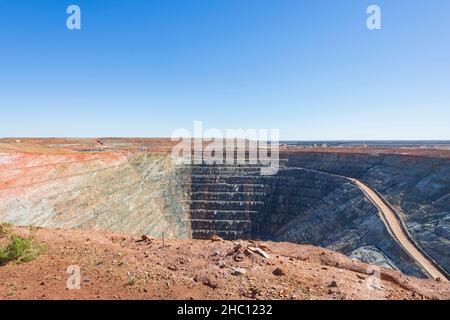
[330, 211]
[136, 193]
[145, 193]
[417, 187]
[296, 205]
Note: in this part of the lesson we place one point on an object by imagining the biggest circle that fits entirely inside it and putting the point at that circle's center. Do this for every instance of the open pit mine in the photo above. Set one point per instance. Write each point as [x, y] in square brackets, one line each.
[317, 197]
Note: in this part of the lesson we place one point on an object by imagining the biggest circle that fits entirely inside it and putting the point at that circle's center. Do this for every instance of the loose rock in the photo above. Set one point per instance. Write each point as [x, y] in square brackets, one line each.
[237, 271]
[259, 251]
[279, 272]
[239, 257]
[172, 268]
[215, 238]
[146, 238]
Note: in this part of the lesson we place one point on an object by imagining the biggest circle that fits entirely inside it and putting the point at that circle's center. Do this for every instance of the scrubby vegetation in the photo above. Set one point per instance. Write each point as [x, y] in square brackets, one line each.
[5, 229]
[18, 249]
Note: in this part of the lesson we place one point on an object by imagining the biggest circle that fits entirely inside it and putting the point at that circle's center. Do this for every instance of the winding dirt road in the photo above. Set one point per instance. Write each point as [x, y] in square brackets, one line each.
[395, 227]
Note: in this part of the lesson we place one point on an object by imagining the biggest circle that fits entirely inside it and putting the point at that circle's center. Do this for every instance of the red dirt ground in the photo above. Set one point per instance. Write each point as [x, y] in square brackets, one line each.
[120, 266]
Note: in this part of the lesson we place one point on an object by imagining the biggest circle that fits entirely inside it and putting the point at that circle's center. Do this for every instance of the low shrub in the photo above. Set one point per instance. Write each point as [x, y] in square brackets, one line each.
[20, 250]
[5, 229]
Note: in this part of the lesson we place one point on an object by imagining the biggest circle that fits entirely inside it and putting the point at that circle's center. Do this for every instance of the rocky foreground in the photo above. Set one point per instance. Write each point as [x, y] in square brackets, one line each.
[120, 266]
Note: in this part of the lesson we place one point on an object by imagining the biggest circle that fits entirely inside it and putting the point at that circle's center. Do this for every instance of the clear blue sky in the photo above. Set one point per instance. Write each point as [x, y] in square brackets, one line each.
[310, 68]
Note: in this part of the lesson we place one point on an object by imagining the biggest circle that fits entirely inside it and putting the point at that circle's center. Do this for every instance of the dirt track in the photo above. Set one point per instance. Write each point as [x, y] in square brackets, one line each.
[395, 227]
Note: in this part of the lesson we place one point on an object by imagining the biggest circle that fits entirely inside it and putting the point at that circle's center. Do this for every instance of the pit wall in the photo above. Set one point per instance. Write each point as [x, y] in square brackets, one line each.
[296, 205]
[134, 193]
[417, 187]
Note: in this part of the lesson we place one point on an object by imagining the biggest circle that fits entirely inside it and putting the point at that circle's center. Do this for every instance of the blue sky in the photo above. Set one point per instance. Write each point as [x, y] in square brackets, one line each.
[310, 68]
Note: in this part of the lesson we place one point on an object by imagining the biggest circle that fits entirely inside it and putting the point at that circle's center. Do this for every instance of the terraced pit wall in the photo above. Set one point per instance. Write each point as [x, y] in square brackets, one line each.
[296, 205]
[418, 187]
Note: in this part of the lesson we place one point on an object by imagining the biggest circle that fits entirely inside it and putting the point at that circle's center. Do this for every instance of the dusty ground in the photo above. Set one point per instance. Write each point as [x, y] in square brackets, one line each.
[165, 145]
[119, 266]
